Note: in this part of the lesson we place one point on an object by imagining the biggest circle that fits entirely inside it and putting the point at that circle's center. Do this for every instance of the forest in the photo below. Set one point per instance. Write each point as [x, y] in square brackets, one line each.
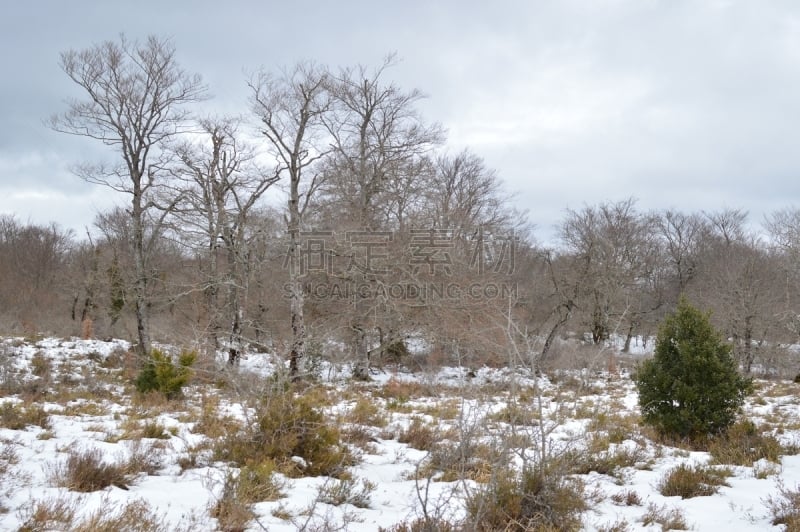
[333, 222]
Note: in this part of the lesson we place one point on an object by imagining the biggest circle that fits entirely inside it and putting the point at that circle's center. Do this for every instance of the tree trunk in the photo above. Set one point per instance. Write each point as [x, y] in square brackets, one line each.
[563, 318]
[298, 351]
[234, 303]
[627, 347]
[361, 365]
[297, 302]
[140, 285]
[212, 294]
[748, 346]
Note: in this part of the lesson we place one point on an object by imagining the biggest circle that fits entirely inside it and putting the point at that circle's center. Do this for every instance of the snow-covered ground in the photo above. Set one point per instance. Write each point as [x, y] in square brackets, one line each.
[85, 388]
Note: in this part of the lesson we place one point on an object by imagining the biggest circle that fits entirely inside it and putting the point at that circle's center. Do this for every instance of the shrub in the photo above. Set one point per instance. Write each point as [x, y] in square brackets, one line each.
[8, 457]
[534, 499]
[288, 426]
[669, 519]
[516, 414]
[143, 458]
[41, 366]
[253, 484]
[134, 516]
[161, 374]
[785, 508]
[422, 524]
[626, 498]
[61, 513]
[366, 412]
[691, 387]
[742, 444]
[47, 514]
[347, 491]
[691, 481]
[609, 462]
[401, 391]
[396, 352]
[258, 483]
[19, 416]
[449, 462]
[420, 435]
[231, 513]
[86, 471]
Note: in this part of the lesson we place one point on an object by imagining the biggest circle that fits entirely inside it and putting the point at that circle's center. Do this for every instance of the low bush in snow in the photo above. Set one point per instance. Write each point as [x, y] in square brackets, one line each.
[692, 481]
[161, 374]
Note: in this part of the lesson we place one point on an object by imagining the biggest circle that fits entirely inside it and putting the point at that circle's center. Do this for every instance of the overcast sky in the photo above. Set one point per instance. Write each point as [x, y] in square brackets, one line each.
[688, 105]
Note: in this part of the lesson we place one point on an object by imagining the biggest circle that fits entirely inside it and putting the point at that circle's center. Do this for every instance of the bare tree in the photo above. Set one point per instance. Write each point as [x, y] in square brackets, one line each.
[740, 282]
[222, 184]
[783, 228]
[740, 279]
[378, 137]
[727, 225]
[290, 108]
[680, 235]
[614, 244]
[137, 96]
[32, 266]
[465, 195]
[378, 141]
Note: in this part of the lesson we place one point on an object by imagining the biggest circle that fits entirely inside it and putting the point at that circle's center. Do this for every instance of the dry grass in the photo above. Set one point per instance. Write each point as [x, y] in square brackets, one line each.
[48, 514]
[424, 524]
[516, 414]
[785, 508]
[133, 516]
[147, 458]
[420, 435]
[134, 430]
[403, 391]
[692, 481]
[444, 409]
[743, 444]
[233, 508]
[668, 519]
[19, 416]
[285, 425]
[611, 461]
[360, 437]
[620, 525]
[87, 471]
[626, 498]
[285, 422]
[366, 412]
[211, 421]
[617, 427]
[535, 499]
[62, 513]
[357, 492]
[466, 459]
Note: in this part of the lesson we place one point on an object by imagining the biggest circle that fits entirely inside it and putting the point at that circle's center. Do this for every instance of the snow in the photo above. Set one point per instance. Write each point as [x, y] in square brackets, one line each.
[181, 496]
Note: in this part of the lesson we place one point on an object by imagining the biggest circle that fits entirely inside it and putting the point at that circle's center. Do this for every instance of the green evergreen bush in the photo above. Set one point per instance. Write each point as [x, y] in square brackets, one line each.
[161, 374]
[691, 387]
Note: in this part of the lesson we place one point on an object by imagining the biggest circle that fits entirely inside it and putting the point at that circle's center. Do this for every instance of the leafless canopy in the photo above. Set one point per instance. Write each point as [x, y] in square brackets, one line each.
[136, 100]
[137, 96]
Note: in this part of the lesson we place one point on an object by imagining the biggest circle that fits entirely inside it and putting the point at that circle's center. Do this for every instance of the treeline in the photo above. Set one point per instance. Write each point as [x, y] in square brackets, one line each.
[617, 271]
[385, 245]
